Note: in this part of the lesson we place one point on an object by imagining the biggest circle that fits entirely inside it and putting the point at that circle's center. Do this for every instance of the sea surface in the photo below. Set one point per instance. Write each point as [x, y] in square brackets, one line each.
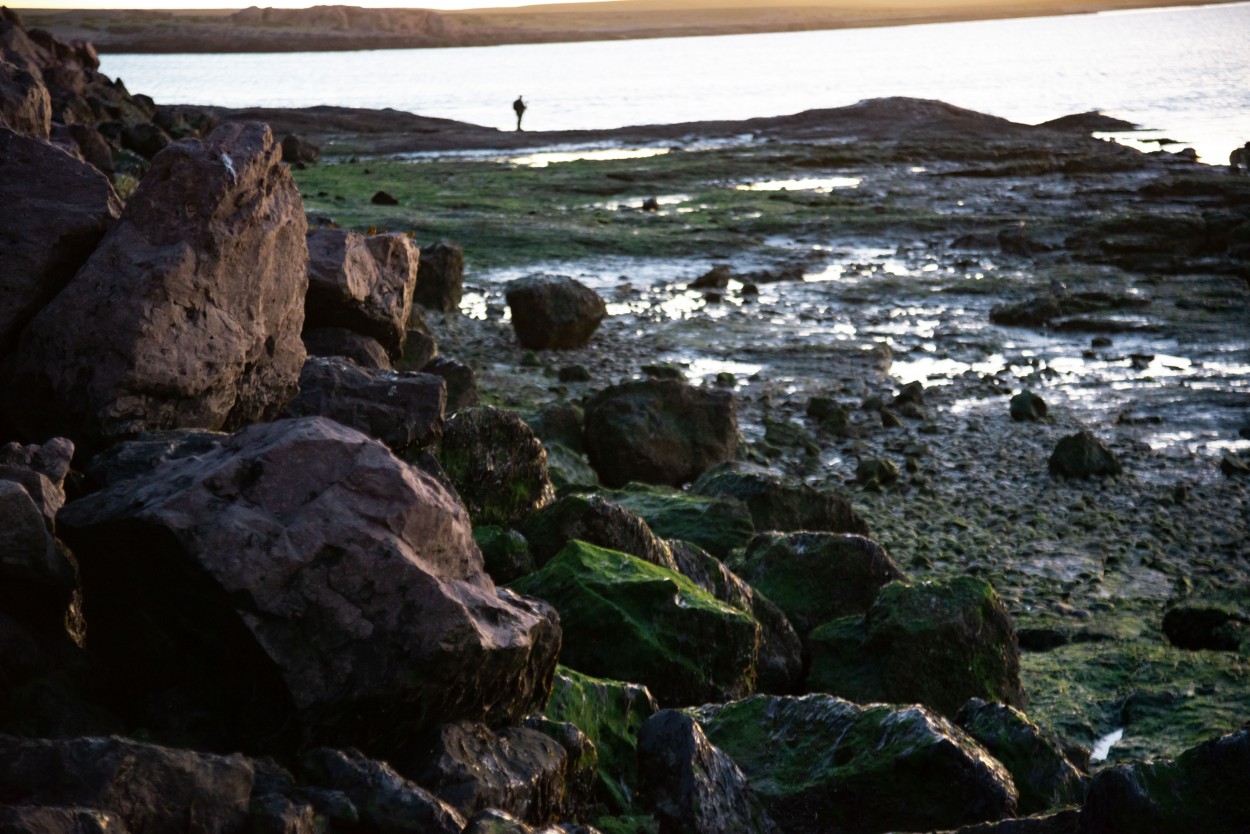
[1182, 73]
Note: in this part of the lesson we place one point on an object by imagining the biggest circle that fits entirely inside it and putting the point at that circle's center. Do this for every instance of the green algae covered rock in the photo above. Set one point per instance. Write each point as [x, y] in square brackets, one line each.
[718, 525]
[595, 521]
[821, 764]
[1082, 455]
[1203, 790]
[630, 619]
[505, 552]
[779, 504]
[1041, 772]
[817, 577]
[568, 468]
[610, 713]
[935, 643]
[496, 464]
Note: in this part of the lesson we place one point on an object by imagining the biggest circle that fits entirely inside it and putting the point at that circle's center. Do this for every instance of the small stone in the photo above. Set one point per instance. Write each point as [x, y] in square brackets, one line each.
[574, 373]
[383, 199]
[1027, 407]
[1082, 455]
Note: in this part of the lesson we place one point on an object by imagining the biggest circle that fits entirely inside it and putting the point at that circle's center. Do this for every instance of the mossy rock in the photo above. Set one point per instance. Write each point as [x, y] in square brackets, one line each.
[935, 643]
[821, 764]
[626, 618]
[568, 469]
[817, 577]
[497, 465]
[593, 520]
[610, 713]
[1082, 455]
[718, 525]
[506, 553]
[1042, 773]
[1203, 790]
[776, 503]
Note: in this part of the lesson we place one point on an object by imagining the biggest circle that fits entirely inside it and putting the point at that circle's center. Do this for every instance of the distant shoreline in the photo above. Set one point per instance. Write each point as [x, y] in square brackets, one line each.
[349, 29]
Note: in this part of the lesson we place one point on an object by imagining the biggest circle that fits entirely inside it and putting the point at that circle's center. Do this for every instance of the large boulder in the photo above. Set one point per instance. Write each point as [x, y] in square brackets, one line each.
[659, 432]
[777, 503]
[496, 464]
[149, 788]
[610, 713]
[472, 768]
[595, 521]
[820, 764]
[364, 350]
[440, 277]
[817, 577]
[690, 785]
[1202, 790]
[188, 313]
[626, 618]
[936, 643]
[383, 800]
[25, 106]
[363, 283]
[403, 410]
[53, 211]
[299, 576]
[1082, 455]
[718, 525]
[1040, 770]
[553, 312]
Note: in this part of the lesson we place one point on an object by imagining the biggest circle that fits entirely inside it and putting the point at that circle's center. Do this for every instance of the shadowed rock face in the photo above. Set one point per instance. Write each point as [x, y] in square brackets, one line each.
[24, 103]
[300, 579]
[53, 211]
[189, 312]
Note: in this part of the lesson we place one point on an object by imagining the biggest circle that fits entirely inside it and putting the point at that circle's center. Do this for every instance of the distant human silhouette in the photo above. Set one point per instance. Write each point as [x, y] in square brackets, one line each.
[1239, 159]
[519, 107]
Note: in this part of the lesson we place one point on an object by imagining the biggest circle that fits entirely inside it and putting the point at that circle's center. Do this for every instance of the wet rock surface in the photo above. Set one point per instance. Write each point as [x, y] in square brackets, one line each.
[497, 465]
[553, 312]
[187, 315]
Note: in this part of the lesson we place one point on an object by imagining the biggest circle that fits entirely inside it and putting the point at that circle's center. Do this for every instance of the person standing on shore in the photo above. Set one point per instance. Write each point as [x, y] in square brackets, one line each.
[519, 107]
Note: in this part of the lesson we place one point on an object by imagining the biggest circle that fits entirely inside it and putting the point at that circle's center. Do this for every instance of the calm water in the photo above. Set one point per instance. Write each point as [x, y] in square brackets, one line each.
[1183, 72]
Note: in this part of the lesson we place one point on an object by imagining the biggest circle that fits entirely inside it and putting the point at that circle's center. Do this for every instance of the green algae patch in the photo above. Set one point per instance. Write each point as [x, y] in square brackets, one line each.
[506, 553]
[718, 525]
[1166, 699]
[937, 643]
[820, 763]
[626, 618]
[610, 713]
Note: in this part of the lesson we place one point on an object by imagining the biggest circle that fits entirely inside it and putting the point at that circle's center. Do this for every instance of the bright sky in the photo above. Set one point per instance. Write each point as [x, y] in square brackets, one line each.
[274, 4]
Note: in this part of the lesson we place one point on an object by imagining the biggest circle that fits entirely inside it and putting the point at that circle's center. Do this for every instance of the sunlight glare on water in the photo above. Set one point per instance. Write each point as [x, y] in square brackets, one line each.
[1182, 71]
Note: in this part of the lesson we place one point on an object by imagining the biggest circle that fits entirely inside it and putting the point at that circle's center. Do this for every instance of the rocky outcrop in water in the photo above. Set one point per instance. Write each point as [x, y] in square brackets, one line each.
[231, 554]
[188, 313]
[553, 312]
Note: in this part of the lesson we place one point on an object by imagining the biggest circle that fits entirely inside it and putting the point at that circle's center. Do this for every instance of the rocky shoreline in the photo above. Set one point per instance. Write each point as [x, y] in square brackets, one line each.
[841, 483]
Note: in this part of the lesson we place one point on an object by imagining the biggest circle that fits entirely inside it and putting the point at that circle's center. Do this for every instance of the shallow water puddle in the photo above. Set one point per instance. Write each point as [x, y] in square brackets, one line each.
[820, 184]
[544, 158]
[1102, 747]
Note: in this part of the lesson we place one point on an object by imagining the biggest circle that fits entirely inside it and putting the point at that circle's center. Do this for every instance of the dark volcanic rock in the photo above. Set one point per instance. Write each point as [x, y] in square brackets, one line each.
[1040, 770]
[553, 312]
[933, 643]
[188, 313]
[821, 764]
[461, 382]
[689, 784]
[440, 278]
[403, 410]
[1027, 407]
[1203, 790]
[298, 149]
[53, 211]
[626, 618]
[24, 103]
[472, 768]
[1082, 455]
[206, 587]
[365, 351]
[596, 521]
[148, 788]
[362, 283]
[659, 431]
[779, 504]
[386, 802]
[817, 577]
[496, 464]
